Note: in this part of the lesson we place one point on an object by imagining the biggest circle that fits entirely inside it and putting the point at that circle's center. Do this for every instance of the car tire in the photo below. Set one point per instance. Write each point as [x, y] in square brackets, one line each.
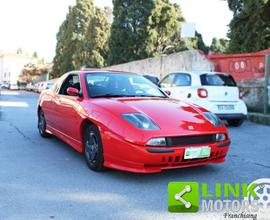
[235, 122]
[42, 124]
[93, 149]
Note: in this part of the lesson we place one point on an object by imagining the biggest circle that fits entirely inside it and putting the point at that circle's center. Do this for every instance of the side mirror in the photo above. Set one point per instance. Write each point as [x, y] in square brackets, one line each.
[167, 92]
[72, 91]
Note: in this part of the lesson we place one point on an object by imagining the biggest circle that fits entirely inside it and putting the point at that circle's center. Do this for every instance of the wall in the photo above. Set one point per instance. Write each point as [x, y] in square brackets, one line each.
[160, 66]
[241, 66]
[249, 70]
[252, 91]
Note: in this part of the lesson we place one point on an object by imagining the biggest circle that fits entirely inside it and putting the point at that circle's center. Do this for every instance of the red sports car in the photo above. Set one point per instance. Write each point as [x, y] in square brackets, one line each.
[123, 121]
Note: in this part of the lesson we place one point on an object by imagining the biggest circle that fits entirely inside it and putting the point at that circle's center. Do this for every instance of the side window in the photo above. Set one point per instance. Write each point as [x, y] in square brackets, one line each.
[217, 80]
[73, 80]
[59, 83]
[167, 81]
[182, 79]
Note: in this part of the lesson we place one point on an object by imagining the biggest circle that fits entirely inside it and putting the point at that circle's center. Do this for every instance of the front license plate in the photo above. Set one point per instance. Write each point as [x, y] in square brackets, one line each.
[197, 152]
[225, 107]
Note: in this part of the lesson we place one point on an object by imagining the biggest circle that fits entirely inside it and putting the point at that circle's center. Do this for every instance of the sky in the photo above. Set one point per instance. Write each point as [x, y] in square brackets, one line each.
[33, 24]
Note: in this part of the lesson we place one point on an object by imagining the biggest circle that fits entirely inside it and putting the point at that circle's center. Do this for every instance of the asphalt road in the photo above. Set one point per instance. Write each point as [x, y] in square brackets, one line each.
[46, 179]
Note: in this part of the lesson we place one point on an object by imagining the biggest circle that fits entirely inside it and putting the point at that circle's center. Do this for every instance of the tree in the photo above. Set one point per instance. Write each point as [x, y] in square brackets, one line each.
[109, 13]
[219, 45]
[97, 39]
[31, 72]
[164, 29]
[198, 43]
[62, 61]
[83, 12]
[249, 28]
[82, 39]
[71, 45]
[129, 32]
[143, 29]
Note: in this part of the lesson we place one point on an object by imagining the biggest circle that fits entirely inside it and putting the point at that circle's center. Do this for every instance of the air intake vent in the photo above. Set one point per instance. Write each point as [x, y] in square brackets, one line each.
[191, 140]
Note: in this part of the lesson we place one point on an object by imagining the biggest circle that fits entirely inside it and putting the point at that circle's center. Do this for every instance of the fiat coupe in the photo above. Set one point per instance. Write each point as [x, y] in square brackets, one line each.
[123, 121]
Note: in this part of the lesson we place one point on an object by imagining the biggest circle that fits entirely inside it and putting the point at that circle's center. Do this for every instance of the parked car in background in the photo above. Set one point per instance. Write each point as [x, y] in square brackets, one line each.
[41, 86]
[216, 92]
[154, 79]
[49, 85]
[35, 87]
[13, 86]
[29, 87]
[5, 85]
[44, 85]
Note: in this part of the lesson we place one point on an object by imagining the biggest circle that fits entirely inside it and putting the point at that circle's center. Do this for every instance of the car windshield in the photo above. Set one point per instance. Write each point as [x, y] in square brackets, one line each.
[120, 85]
[217, 80]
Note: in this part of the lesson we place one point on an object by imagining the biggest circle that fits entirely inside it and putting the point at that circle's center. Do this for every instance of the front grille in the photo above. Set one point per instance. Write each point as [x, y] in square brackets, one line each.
[191, 140]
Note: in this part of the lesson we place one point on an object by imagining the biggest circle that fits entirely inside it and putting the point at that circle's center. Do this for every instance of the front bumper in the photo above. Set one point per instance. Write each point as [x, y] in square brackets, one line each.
[123, 155]
[239, 111]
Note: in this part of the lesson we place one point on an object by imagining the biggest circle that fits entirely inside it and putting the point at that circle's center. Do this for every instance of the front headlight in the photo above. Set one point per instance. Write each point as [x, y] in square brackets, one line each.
[140, 121]
[157, 142]
[221, 137]
[213, 119]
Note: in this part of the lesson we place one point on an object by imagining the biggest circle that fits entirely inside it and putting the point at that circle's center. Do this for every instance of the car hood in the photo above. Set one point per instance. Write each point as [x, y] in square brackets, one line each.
[169, 114]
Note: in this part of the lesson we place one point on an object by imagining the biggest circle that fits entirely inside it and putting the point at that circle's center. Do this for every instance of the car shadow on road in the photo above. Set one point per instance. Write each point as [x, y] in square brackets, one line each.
[171, 174]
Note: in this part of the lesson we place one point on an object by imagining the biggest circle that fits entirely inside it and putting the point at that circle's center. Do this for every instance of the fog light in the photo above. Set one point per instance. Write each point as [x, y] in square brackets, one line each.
[157, 142]
[220, 137]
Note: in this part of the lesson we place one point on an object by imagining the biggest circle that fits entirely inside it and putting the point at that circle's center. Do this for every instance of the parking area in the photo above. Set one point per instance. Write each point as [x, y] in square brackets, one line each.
[46, 179]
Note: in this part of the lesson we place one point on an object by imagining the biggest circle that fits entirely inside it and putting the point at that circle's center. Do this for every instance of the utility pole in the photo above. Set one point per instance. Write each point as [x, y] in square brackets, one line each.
[266, 82]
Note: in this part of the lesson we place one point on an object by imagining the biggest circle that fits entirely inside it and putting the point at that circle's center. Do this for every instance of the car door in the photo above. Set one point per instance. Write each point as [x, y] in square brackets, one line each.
[51, 103]
[66, 107]
[179, 85]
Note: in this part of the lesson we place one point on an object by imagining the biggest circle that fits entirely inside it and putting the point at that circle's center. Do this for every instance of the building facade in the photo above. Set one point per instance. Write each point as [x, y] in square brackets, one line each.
[11, 66]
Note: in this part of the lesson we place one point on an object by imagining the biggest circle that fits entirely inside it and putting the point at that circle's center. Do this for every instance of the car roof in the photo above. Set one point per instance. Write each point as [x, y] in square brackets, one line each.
[199, 72]
[99, 71]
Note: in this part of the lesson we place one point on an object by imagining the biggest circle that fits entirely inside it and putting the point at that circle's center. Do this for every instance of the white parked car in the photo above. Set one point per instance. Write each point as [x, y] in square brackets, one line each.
[214, 91]
[13, 86]
[29, 87]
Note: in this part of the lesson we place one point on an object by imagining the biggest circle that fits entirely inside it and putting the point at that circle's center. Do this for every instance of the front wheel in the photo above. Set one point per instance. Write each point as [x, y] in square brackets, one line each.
[93, 149]
[235, 122]
[42, 124]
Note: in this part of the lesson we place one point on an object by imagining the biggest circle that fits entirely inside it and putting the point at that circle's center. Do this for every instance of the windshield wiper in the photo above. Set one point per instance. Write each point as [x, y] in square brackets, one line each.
[152, 96]
[119, 95]
[111, 96]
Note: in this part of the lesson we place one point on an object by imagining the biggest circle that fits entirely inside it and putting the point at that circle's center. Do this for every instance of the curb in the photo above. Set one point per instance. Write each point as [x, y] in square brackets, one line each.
[259, 118]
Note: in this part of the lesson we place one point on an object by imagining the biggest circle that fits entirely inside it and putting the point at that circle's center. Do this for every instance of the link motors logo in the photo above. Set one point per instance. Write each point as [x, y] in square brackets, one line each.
[262, 190]
[246, 199]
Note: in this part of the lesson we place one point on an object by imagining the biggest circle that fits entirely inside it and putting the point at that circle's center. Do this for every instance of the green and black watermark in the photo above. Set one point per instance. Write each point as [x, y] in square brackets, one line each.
[244, 199]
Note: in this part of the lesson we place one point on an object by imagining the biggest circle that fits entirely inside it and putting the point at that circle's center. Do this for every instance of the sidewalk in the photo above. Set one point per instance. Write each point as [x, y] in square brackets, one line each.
[259, 118]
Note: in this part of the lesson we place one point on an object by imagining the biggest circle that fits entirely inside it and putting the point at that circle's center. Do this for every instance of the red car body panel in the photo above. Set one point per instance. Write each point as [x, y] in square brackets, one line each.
[124, 145]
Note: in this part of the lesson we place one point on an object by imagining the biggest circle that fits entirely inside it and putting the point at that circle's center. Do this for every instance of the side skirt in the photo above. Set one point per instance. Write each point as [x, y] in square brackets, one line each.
[77, 145]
